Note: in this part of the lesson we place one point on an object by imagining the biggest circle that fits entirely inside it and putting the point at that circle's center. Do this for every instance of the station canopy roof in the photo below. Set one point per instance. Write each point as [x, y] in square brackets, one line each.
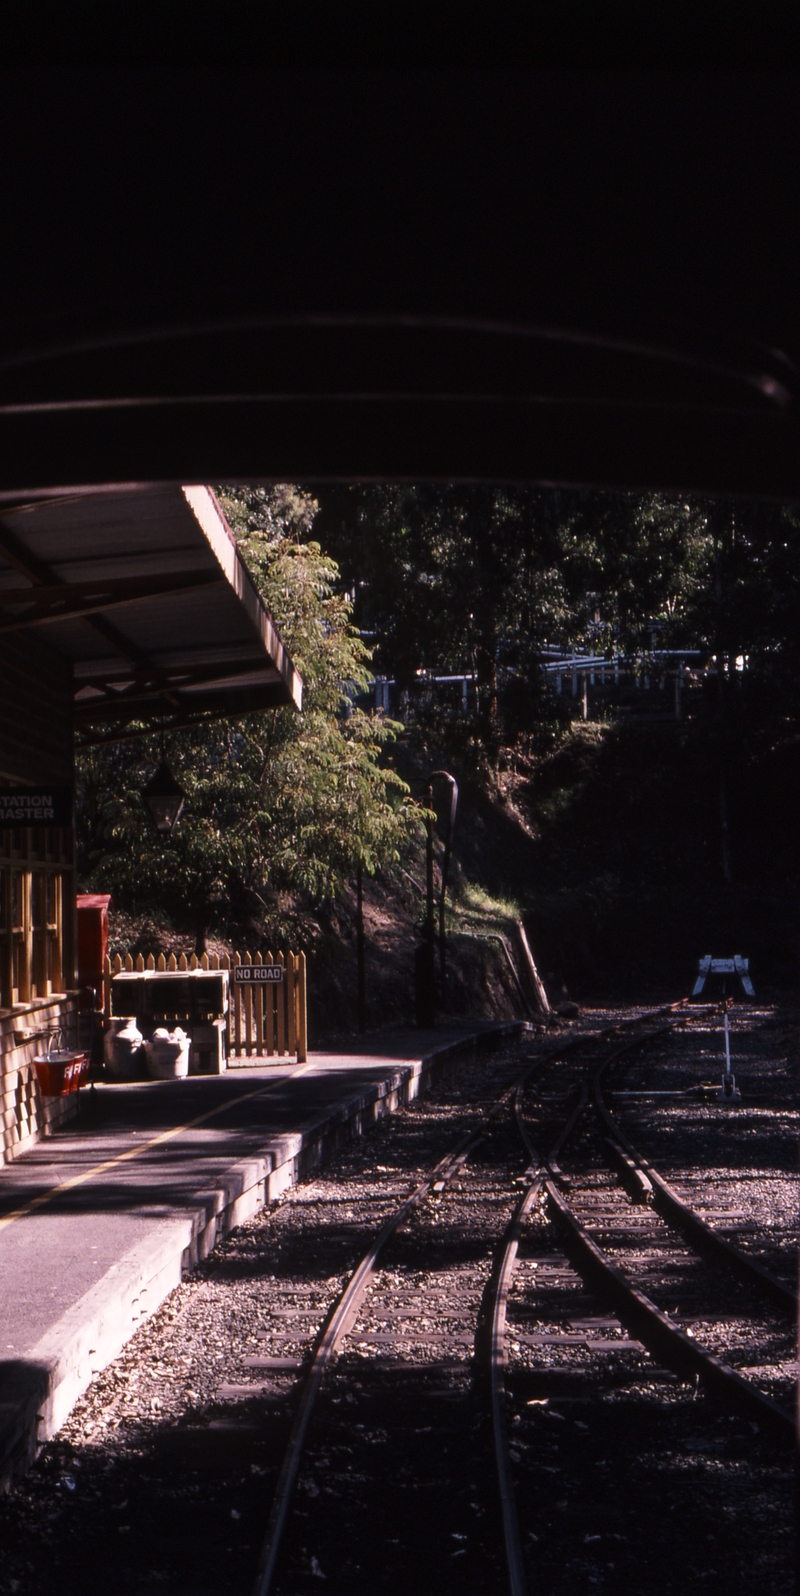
[143, 590]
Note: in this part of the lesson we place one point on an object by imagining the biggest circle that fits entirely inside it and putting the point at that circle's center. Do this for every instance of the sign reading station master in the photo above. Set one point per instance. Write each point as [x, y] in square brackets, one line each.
[257, 974]
[35, 806]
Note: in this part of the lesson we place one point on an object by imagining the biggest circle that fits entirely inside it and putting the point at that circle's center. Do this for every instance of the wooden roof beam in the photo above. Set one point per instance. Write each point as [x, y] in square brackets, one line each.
[69, 601]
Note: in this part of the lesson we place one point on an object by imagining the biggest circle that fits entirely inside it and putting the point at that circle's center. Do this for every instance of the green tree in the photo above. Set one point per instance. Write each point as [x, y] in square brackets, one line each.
[482, 579]
[632, 564]
[281, 806]
[454, 580]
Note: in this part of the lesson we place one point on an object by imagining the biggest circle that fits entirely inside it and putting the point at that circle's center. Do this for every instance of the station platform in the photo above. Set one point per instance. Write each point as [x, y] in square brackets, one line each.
[99, 1221]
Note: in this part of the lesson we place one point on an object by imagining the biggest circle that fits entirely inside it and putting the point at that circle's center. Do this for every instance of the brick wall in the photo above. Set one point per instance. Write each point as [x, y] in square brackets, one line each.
[26, 1115]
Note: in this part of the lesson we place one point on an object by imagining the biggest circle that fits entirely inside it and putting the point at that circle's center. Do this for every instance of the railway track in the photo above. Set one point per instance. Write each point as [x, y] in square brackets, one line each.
[393, 1321]
[341, 1325]
[628, 1229]
[446, 1407]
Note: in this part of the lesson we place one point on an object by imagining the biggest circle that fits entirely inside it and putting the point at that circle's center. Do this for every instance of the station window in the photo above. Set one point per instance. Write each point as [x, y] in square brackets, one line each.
[36, 884]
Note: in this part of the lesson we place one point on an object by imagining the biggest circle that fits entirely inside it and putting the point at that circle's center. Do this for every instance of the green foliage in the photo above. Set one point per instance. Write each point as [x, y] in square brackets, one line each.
[483, 579]
[282, 806]
[460, 579]
[746, 612]
[630, 561]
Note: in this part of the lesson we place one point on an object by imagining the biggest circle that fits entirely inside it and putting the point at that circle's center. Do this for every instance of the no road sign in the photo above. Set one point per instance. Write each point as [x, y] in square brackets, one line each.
[257, 974]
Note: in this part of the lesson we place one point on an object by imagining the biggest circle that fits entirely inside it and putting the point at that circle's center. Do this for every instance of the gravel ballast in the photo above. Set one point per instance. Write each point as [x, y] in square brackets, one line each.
[626, 1476]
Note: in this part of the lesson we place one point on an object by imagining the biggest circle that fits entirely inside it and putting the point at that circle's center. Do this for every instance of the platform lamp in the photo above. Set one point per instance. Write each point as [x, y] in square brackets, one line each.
[163, 799]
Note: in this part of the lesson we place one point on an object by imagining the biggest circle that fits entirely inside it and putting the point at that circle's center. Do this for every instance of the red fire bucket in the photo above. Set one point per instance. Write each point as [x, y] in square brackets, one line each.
[61, 1072]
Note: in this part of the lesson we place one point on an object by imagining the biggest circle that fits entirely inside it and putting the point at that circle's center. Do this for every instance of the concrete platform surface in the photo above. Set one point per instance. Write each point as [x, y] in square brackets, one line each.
[98, 1222]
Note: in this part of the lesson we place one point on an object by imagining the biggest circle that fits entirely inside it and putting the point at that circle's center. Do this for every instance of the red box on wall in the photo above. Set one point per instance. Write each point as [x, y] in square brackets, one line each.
[92, 947]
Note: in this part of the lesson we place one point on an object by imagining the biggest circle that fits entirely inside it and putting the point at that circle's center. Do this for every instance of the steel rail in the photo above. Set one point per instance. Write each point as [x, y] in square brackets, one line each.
[662, 1336]
[676, 1212]
[595, 1036]
[515, 1564]
[508, 1506]
[535, 1174]
[627, 1047]
[341, 1317]
[337, 1324]
[583, 1038]
[343, 1312]
[655, 1328]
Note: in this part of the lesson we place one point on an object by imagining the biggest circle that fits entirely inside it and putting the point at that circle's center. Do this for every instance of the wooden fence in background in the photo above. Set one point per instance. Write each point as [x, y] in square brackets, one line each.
[262, 1020]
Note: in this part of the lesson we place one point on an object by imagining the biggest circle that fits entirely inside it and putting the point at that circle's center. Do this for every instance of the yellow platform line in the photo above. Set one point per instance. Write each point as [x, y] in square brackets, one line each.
[43, 1198]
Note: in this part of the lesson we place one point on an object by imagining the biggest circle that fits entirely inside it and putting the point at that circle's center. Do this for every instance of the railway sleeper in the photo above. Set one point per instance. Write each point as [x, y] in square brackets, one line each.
[636, 1182]
[672, 1208]
[664, 1339]
[676, 1212]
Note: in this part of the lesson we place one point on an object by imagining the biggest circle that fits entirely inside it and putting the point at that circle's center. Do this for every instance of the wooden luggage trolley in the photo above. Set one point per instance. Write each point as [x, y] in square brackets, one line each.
[241, 1008]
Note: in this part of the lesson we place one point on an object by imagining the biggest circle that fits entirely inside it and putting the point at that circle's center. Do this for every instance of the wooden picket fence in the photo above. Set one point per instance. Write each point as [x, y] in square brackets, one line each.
[262, 1020]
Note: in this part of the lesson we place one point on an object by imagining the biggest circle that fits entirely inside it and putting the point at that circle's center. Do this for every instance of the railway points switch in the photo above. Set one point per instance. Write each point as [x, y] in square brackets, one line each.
[739, 968]
[729, 1092]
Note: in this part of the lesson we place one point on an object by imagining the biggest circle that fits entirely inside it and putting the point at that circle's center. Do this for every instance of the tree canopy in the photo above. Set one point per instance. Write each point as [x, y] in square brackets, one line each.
[281, 806]
[481, 579]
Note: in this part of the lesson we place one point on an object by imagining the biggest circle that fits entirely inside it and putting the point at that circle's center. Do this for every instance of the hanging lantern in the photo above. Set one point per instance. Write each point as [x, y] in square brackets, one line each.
[164, 799]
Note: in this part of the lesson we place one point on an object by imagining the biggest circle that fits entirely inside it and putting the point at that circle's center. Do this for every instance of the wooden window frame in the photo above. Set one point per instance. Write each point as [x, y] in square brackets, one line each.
[36, 947]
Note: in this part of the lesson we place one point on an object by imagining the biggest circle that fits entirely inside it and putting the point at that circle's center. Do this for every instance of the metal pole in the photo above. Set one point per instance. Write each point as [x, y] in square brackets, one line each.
[444, 775]
[425, 955]
[730, 1092]
[362, 984]
[430, 924]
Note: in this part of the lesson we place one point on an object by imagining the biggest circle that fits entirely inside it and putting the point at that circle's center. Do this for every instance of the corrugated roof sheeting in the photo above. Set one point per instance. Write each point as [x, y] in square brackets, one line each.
[116, 533]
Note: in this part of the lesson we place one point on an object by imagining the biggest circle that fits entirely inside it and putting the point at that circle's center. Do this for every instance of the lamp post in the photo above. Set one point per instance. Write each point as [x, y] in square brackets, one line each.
[425, 958]
[444, 775]
[360, 949]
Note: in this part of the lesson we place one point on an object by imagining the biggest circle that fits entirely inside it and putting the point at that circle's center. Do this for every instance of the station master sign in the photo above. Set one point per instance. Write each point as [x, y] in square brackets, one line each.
[35, 806]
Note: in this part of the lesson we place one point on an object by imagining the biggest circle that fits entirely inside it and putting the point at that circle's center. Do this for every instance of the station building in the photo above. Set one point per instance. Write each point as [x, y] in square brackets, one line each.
[118, 607]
